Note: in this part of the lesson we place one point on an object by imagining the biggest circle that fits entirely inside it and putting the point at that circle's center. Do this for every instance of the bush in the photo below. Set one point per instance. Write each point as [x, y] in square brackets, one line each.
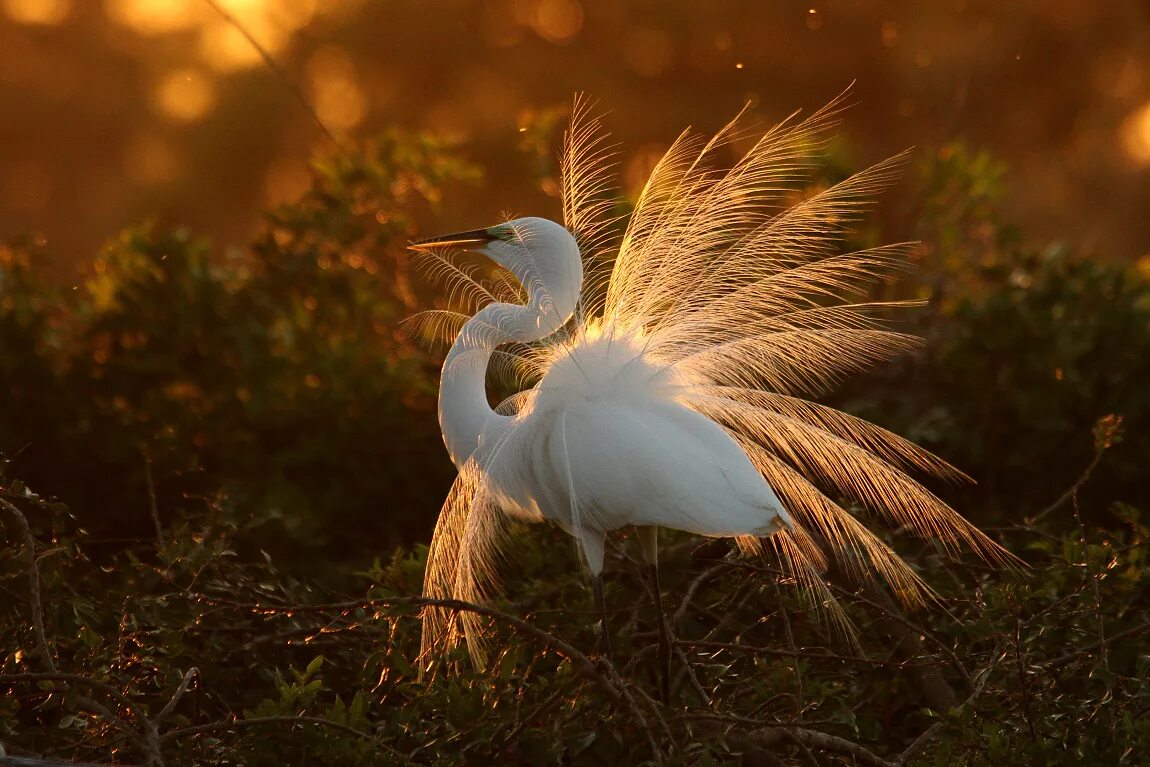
[229, 414]
[275, 379]
[1025, 350]
[240, 662]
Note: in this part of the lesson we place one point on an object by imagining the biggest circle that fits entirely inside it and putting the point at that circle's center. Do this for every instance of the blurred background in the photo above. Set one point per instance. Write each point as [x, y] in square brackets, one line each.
[209, 399]
[203, 207]
[112, 111]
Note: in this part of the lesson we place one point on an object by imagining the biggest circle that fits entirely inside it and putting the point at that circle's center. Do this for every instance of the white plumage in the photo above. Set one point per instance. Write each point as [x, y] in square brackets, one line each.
[665, 388]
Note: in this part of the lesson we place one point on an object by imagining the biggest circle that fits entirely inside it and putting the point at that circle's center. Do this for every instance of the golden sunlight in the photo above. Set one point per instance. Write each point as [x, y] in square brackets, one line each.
[185, 95]
[1135, 133]
[557, 21]
[154, 17]
[335, 90]
[37, 12]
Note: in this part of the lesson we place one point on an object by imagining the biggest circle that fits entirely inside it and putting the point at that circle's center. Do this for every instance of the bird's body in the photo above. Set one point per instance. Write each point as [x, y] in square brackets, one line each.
[603, 442]
[667, 390]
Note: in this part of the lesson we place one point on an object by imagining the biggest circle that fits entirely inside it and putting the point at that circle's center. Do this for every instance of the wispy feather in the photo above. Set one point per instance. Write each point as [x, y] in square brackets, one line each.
[730, 294]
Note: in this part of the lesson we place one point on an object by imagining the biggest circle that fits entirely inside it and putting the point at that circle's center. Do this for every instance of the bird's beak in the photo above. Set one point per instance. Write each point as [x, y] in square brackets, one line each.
[472, 238]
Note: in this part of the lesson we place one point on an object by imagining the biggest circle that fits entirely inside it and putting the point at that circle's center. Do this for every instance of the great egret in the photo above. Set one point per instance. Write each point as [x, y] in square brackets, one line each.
[667, 386]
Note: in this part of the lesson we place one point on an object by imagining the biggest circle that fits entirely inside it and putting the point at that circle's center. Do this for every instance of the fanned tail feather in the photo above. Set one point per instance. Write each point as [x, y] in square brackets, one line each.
[732, 272]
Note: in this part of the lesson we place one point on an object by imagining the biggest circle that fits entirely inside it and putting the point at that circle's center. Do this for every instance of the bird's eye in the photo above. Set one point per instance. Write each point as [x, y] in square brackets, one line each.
[504, 232]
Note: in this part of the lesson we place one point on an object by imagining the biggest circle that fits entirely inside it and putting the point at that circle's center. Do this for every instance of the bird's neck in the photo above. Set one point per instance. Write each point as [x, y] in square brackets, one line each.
[464, 412]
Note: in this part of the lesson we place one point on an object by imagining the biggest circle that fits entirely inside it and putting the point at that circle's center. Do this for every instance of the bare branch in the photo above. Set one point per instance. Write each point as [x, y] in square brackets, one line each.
[35, 604]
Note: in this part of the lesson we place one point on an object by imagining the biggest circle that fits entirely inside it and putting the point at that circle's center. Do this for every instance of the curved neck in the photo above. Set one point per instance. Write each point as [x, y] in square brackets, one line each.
[464, 412]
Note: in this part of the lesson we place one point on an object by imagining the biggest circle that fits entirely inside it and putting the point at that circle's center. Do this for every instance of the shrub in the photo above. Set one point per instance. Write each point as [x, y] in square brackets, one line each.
[276, 376]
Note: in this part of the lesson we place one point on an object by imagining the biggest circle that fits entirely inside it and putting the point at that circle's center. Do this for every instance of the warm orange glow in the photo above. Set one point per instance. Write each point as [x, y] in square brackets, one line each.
[648, 51]
[225, 49]
[294, 15]
[889, 34]
[150, 160]
[155, 17]
[41, 12]
[1136, 135]
[285, 181]
[335, 90]
[637, 168]
[27, 187]
[185, 95]
[557, 21]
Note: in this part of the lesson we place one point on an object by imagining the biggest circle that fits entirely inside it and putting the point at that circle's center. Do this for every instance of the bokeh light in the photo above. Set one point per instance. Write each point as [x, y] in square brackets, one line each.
[1135, 133]
[185, 95]
[336, 94]
[155, 17]
[27, 187]
[557, 21]
[648, 51]
[37, 12]
[83, 80]
[151, 160]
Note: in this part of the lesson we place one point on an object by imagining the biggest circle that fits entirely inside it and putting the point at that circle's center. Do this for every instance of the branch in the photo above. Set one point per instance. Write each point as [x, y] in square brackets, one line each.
[771, 651]
[33, 583]
[144, 737]
[57, 676]
[1062, 660]
[236, 723]
[1107, 433]
[582, 663]
[193, 672]
[274, 66]
[931, 732]
[805, 737]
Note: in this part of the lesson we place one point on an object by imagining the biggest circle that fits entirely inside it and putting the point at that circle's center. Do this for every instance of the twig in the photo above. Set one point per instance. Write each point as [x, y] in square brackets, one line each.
[193, 672]
[1088, 564]
[914, 627]
[980, 679]
[699, 690]
[1023, 680]
[797, 653]
[1099, 451]
[153, 506]
[144, 737]
[535, 714]
[33, 583]
[693, 587]
[274, 66]
[197, 729]
[1062, 660]
[584, 664]
[816, 739]
[56, 676]
[799, 702]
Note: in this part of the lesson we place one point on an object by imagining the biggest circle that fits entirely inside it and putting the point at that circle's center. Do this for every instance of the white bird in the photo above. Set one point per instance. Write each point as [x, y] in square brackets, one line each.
[666, 389]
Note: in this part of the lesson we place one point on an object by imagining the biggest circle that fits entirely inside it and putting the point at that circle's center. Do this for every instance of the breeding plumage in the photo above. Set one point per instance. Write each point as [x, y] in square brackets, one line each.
[667, 388]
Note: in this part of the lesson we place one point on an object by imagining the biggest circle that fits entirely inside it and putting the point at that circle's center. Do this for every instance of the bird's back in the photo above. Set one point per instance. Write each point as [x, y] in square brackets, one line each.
[605, 441]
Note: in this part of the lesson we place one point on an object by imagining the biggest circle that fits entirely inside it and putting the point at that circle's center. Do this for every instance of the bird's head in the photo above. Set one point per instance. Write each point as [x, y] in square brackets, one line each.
[542, 254]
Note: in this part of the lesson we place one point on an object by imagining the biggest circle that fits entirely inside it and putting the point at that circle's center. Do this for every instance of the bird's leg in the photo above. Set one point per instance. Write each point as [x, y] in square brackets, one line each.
[664, 638]
[649, 545]
[601, 605]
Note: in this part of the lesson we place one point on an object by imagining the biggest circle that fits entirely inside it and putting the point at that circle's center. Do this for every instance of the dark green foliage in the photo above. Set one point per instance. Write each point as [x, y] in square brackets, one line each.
[266, 401]
[1052, 658]
[1025, 351]
[1025, 370]
[277, 376]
